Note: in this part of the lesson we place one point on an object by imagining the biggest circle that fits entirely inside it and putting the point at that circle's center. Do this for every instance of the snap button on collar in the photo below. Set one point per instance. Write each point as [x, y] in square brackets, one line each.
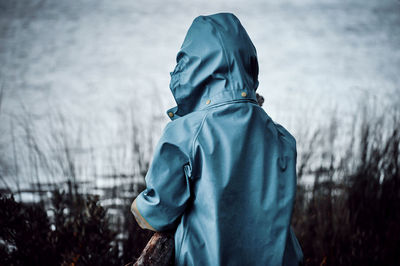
[170, 114]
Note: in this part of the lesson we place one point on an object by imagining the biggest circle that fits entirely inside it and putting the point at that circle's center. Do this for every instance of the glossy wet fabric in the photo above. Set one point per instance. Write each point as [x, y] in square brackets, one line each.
[223, 173]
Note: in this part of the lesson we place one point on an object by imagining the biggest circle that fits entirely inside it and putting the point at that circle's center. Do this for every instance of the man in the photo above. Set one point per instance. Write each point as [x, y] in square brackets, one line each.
[223, 173]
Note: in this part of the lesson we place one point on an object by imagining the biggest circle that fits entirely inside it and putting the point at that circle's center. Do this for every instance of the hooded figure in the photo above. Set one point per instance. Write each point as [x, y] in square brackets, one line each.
[223, 175]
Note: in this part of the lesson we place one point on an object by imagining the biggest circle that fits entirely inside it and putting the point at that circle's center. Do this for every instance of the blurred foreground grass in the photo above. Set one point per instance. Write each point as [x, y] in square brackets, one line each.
[347, 215]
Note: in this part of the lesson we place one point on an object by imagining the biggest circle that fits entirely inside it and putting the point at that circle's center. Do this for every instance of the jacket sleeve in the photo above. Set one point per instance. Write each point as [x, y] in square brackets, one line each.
[167, 191]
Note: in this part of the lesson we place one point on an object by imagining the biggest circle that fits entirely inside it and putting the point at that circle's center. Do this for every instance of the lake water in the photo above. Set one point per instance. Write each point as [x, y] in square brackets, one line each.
[99, 63]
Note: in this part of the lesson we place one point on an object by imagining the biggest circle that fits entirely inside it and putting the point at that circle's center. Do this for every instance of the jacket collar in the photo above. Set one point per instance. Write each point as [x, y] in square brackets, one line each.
[245, 95]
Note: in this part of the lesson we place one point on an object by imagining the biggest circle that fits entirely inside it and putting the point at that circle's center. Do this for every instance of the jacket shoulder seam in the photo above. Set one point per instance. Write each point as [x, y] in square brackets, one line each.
[197, 134]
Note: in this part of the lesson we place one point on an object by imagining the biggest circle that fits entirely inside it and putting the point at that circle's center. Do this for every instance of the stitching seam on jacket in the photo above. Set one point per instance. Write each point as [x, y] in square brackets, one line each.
[212, 22]
[195, 137]
[229, 102]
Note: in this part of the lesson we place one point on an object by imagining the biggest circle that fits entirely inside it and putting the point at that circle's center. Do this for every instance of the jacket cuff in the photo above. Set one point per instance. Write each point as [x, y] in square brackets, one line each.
[139, 218]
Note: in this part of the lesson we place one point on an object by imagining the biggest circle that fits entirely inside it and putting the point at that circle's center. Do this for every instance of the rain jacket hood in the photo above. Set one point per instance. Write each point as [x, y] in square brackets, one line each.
[217, 61]
[223, 174]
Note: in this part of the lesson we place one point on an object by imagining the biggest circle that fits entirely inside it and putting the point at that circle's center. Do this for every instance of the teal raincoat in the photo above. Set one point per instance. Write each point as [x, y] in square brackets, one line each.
[223, 173]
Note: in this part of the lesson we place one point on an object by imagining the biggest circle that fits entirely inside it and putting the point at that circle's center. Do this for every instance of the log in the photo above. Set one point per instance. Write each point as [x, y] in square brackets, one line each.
[158, 251]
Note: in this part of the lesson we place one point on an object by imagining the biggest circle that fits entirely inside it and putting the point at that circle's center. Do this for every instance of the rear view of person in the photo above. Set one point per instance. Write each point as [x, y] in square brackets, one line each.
[223, 175]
